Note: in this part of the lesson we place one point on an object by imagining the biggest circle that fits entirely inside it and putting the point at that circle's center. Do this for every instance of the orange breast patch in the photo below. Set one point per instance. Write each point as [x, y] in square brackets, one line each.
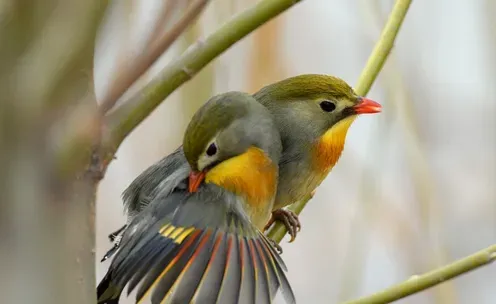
[251, 175]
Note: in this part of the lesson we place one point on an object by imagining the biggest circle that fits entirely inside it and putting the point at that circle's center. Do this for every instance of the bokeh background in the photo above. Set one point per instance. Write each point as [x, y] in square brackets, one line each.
[415, 187]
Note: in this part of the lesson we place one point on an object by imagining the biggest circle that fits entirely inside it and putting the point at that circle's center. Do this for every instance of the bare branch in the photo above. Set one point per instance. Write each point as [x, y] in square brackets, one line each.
[165, 16]
[132, 72]
[46, 68]
[383, 47]
[127, 116]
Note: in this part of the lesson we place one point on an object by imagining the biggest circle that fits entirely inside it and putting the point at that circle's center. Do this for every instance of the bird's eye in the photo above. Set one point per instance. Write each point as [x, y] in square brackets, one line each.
[327, 106]
[211, 150]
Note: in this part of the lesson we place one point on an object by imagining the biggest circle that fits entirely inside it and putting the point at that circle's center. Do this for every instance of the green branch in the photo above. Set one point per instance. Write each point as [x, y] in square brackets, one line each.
[430, 279]
[383, 47]
[134, 110]
[367, 78]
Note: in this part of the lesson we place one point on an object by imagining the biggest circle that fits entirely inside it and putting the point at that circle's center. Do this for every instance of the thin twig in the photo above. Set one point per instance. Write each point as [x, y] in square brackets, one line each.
[125, 35]
[368, 76]
[166, 14]
[202, 86]
[124, 80]
[383, 48]
[435, 254]
[134, 110]
[430, 279]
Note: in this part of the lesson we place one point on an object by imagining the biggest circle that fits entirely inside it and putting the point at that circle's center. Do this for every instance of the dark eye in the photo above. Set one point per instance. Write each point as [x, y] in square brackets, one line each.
[211, 150]
[327, 106]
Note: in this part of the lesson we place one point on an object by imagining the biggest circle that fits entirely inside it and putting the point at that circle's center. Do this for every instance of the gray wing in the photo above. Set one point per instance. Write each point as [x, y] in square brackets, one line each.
[197, 247]
[159, 179]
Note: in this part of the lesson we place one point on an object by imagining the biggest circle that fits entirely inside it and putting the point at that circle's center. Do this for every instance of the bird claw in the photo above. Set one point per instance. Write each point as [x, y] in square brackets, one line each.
[116, 238]
[276, 246]
[289, 219]
[110, 253]
[113, 236]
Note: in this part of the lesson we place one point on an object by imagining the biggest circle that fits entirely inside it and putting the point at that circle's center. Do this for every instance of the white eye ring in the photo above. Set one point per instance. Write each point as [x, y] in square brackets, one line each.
[211, 150]
[209, 156]
[328, 106]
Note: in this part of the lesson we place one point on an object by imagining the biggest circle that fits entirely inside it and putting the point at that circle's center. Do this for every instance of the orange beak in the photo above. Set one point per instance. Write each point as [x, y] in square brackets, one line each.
[367, 106]
[195, 179]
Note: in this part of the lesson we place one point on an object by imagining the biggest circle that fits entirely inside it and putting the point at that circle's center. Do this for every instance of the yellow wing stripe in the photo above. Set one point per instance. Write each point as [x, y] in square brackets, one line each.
[180, 238]
[177, 234]
[164, 227]
[166, 230]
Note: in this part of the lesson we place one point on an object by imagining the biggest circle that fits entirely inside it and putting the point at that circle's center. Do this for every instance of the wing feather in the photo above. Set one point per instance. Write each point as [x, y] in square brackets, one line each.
[198, 247]
[247, 288]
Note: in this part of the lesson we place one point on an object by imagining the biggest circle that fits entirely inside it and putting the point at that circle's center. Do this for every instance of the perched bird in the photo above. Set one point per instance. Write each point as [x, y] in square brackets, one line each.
[200, 240]
[312, 113]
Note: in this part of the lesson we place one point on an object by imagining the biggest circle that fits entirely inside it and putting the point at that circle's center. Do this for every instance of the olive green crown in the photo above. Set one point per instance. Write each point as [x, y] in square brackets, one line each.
[307, 86]
[215, 115]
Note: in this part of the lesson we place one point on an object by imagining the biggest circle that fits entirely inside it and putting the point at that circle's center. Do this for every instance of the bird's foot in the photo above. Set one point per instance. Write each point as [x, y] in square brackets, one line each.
[117, 233]
[289, 219]
[276, 246]
[116, 238]
[110, 253]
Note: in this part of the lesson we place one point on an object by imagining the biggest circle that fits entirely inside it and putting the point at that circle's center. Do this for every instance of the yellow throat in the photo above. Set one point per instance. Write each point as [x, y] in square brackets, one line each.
[328, 148]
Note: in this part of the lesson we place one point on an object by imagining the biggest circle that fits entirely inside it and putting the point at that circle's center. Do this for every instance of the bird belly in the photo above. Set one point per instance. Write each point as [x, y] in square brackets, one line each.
[299, 179]
[294, 189]
[259, 214]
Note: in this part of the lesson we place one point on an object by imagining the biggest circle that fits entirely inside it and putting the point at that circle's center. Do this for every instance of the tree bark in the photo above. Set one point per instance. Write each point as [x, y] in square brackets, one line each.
[47, 215]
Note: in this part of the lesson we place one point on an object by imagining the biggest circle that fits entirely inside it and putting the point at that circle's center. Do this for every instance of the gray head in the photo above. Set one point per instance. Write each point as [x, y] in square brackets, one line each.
[226, 126]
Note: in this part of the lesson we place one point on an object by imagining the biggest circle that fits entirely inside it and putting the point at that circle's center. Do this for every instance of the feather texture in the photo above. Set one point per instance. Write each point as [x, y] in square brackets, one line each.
[198, 247]
[159, 179]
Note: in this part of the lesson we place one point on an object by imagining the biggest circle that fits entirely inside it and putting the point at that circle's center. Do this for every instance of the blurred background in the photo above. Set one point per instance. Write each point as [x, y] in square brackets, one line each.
[415, 187]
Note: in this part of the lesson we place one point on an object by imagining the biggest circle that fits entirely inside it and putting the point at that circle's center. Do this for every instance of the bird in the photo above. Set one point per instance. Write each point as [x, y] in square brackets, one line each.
[312, 112]
[201, 240]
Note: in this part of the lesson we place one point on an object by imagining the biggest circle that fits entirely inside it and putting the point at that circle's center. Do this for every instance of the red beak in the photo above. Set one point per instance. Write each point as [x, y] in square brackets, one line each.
[195, 179]
[367, 106]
